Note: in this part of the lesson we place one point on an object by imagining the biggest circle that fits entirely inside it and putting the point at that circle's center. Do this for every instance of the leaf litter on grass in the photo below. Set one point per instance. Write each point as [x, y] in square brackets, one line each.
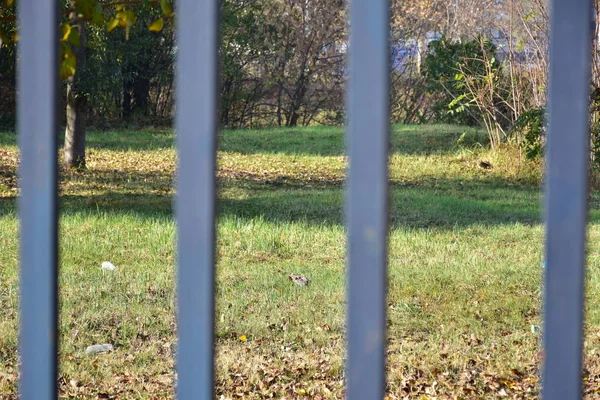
[286, 360]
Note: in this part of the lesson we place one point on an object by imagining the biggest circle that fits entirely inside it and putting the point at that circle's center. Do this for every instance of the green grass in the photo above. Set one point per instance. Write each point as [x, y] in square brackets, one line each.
[464, 267]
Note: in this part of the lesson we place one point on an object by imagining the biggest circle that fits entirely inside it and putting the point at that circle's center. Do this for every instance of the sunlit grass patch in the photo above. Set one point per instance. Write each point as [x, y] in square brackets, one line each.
[464, 267]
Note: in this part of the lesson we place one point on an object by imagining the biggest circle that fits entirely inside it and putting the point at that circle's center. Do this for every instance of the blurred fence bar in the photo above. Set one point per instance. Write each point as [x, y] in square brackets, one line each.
[196, 123]
[566, 197]
[366, 207]
[367, 197]
[37, 126]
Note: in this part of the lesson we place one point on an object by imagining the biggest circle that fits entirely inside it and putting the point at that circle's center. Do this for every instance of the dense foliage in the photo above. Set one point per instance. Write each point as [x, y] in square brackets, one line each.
[443, 69]
[283, 63]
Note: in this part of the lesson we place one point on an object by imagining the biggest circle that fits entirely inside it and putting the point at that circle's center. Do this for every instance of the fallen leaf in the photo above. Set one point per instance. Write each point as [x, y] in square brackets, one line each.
[299, 280]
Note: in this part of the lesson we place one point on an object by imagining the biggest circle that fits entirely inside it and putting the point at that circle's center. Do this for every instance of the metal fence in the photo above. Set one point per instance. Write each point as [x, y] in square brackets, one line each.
[367, 197]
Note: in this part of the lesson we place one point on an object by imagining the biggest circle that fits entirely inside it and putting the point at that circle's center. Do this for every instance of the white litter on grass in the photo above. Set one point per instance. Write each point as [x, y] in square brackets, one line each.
[108, 266]
[299, 280]
[535, 329]
[98, 348]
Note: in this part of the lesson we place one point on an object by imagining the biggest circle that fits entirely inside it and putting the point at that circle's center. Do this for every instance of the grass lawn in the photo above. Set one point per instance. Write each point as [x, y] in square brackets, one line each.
[464, 267]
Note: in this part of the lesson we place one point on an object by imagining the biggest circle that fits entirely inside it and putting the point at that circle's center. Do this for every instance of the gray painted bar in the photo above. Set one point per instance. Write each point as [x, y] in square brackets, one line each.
[566, 197]
[37, 128]
[196, 123]
[366, 208]
[367, 197]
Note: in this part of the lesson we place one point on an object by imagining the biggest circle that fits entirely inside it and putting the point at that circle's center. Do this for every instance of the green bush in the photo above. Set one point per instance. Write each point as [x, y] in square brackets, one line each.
[529, 132]
[442, 69]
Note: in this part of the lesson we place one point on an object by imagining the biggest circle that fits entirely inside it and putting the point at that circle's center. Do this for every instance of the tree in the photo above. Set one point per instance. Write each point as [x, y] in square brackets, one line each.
[76, 15]
[7, 69]
[300, 65]
[76, 100]
[282, 61]
[144, 58]
[243, 42]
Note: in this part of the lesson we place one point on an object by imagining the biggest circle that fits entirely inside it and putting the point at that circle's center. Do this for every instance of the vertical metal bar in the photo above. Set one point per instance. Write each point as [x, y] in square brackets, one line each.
[367, 198]
[197, 31]
[37, 127]
[566, 197]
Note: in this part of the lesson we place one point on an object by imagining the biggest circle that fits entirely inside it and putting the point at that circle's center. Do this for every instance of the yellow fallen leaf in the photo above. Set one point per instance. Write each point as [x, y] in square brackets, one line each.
[157, 25]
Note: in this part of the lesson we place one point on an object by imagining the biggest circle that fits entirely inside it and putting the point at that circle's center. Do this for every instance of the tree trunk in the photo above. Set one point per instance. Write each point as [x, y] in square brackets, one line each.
[136, 95]
[141, 96]
[77, 104]
[126, 101]
[279, 94]
[299, 94]
[226, 102]
[74, 149]
[294, 119]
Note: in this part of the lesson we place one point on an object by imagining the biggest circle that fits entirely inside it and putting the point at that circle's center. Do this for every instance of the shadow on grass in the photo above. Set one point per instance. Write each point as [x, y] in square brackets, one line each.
[445, 205]
[415, 208]
[439, 203]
